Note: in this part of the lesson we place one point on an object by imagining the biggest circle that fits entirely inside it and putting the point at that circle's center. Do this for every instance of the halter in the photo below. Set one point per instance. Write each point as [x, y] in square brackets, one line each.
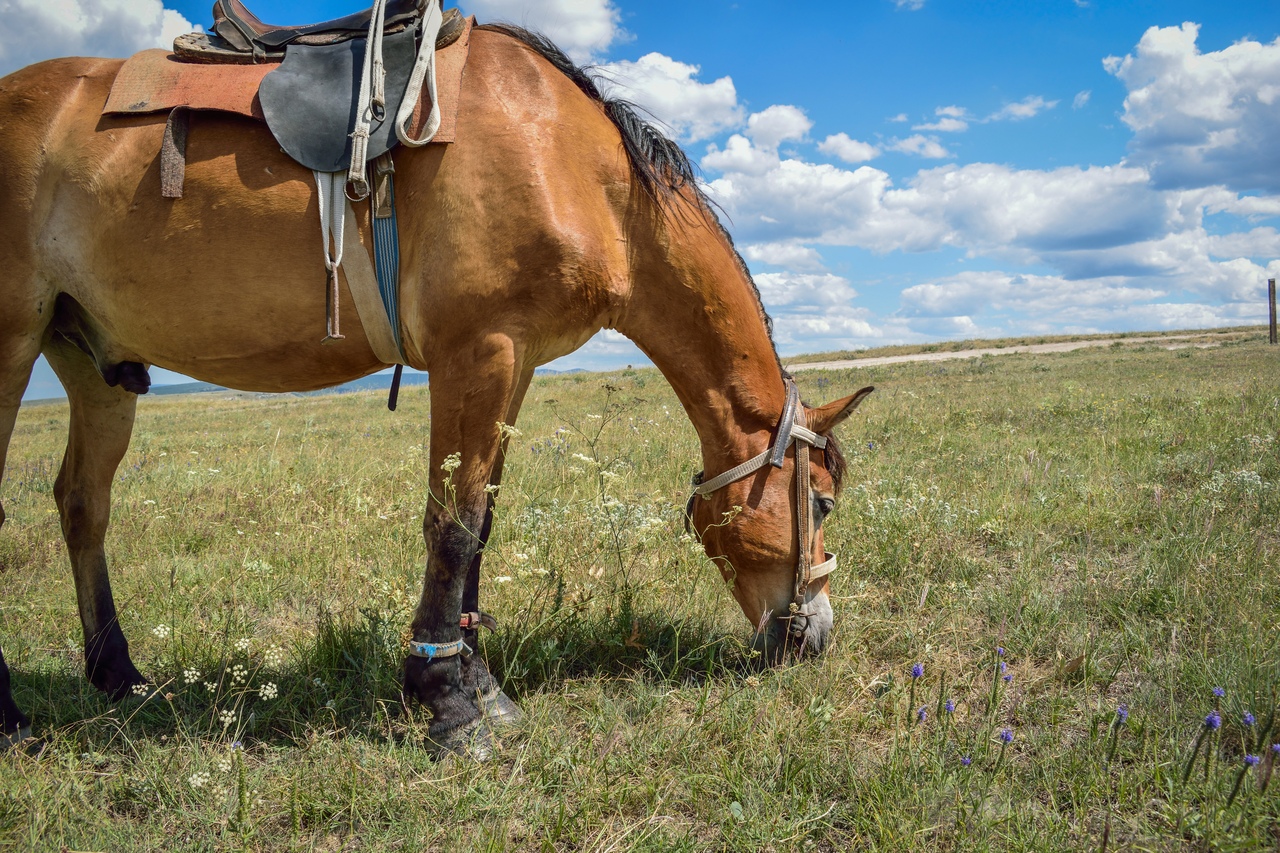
[791, 428]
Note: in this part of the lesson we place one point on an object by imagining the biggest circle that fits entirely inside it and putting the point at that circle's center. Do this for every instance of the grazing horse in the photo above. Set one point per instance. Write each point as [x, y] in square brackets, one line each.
[556, 213]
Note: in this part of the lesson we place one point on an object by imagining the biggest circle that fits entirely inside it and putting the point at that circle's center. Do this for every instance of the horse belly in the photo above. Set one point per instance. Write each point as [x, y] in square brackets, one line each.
[226, 284]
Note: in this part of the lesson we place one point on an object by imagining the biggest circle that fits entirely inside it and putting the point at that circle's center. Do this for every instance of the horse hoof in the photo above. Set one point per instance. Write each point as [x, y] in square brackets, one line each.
[476, 740]
[500, 711]
[16, 739]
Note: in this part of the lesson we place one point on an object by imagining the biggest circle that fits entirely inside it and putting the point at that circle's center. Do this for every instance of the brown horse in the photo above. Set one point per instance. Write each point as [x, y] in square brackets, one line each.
[556, 213]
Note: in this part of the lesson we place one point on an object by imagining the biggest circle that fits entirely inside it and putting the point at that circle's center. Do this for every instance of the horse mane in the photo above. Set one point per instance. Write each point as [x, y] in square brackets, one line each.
[658, 164]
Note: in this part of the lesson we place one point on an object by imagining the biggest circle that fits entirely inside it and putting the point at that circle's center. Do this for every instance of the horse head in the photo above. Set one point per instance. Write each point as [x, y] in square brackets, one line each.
[754, 525]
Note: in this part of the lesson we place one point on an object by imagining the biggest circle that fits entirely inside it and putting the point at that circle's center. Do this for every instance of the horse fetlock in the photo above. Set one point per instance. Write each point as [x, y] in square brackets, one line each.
[467, 705]
[108, 666]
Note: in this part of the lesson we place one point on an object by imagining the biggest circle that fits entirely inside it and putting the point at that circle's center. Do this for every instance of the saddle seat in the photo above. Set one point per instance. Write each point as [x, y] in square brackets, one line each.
[240, 38]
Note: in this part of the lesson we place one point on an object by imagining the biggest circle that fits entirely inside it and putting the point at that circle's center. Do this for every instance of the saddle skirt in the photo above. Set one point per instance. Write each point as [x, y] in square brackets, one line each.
[155, 81]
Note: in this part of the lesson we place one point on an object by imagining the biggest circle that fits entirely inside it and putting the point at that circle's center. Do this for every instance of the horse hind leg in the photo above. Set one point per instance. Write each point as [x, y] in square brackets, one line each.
[101, 425]
[18, 351]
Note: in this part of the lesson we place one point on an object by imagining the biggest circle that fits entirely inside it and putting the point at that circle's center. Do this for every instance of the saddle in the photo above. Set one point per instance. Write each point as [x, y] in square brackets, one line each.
[239, 38]
[337, 96]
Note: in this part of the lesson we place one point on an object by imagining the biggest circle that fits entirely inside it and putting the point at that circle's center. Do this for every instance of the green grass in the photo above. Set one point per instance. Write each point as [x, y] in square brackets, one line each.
[1107, 516]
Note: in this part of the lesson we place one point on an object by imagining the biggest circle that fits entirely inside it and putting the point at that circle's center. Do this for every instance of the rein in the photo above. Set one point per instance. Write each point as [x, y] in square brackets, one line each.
[791, 428]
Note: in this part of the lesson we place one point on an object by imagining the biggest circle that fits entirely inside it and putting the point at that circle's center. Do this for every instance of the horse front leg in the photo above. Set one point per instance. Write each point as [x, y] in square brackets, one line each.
[443, 671]
[101, 425]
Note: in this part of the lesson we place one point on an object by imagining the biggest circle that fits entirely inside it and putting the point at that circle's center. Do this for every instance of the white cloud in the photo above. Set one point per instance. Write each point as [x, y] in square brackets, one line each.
[909, 5]
[790, 254]
[807, 290]
[900, 118]
[951, 119]
[583, 29]
[670, 92]
[849, 150]
[1203, 118]
[34, 30]
[944, 125]
[923, 146]
[739, 155]
[1081, 99]
[1028, 107]
[776, 124]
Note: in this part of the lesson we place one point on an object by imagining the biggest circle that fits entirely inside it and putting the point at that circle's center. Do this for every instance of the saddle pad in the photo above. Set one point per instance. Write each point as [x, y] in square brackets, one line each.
[154, 81]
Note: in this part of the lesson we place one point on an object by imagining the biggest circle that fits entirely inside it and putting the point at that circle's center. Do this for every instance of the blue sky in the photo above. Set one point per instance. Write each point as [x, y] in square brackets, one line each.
[908, 170]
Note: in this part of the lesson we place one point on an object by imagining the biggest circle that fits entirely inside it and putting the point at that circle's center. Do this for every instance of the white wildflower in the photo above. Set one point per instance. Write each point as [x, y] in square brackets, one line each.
[227, 718]
[274, 656]
[190, 676]
[199, 780]
[210, 686]
[223, 764]
[239, 674]
[139, 689]
[161, 631]
[451, 463]
[243, 644]
[269, 690]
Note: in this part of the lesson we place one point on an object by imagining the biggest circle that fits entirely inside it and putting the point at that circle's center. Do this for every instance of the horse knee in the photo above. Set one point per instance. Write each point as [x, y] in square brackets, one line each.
[84, 520]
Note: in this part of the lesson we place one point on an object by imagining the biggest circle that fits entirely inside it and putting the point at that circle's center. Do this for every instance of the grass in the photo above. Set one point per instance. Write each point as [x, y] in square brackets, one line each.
[1108, 517]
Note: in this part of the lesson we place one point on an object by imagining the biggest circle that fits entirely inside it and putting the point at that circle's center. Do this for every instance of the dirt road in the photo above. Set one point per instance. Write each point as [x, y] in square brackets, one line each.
[1199, 340]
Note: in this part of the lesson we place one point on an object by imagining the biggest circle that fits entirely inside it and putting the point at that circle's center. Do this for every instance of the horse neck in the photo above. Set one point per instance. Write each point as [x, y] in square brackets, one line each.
[694, 312]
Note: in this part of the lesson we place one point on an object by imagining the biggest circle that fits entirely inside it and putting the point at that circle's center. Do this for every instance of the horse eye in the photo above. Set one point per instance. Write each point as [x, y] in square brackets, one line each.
[826, 505]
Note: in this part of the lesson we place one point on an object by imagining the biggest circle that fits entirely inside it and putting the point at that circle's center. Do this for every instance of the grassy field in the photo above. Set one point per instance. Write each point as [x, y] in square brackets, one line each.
[1052, 538]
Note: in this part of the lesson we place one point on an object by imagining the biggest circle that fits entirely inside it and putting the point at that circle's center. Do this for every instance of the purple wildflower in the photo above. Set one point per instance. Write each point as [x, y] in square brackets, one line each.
[1275, 747]
[950, 707]
[1248, 719]
[1219, 692]
[922, 714]
[1213, 721]
[1002, 666]
[966, 761]
[1000, 651]
[917, 670]
[1122, 714]
[1008, 679]
[1252, 760]
[1006, 735]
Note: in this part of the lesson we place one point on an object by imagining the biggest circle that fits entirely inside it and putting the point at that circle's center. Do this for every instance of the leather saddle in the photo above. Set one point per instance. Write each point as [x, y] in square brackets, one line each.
[239, 37]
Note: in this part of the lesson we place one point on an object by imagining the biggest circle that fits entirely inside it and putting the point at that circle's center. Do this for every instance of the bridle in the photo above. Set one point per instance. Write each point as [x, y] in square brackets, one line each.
[792, 427]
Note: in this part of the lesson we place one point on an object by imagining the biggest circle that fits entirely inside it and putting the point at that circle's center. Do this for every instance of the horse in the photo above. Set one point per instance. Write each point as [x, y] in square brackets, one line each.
[556, 213]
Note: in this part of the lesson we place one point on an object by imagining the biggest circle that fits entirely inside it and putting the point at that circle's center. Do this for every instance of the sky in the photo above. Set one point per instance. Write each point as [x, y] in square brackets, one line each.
[900, 171]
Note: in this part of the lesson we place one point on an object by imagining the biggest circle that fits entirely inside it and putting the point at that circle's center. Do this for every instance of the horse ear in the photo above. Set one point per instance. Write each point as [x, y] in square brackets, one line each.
[826, 418]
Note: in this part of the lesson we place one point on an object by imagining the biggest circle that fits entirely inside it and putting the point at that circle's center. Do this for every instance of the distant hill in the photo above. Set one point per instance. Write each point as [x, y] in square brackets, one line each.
[372, 382]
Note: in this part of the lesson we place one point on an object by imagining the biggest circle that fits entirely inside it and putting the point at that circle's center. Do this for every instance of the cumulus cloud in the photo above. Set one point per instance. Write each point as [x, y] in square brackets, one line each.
[1028, 107]
[772, 126]
[1203, 118]
[584, 29]
[951, 119]
[669, 91]
[809, 290]
[920, 145]
[1081, 99]
[849, 150]
[39, 29]
[790, 254]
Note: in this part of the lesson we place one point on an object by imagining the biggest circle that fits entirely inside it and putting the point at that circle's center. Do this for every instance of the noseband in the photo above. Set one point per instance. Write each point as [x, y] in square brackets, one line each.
[791, 428]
